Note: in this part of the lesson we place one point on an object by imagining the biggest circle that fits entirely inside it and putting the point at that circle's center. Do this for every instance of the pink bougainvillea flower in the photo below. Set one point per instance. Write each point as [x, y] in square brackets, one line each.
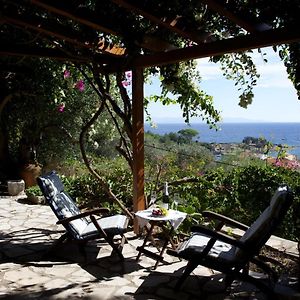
[125, 83]
[128, 74]
[79, 85]
[67, 74]
[190, 44]
[61, 107]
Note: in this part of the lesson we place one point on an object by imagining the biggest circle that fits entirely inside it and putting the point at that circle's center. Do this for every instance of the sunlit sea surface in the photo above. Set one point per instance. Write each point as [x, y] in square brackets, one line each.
[277, 133]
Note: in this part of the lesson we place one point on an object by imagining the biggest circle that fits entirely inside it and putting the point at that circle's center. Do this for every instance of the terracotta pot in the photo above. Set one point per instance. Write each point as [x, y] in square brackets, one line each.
[29, 173]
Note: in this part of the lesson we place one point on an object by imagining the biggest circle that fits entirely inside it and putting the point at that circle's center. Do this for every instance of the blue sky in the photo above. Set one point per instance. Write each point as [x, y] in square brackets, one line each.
[275, 99]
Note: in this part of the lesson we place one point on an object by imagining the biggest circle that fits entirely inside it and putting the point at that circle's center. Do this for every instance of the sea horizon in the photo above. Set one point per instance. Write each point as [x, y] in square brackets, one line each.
[233, 120]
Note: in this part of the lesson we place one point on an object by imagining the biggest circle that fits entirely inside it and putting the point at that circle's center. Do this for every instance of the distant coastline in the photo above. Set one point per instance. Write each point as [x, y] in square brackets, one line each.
[234, 132]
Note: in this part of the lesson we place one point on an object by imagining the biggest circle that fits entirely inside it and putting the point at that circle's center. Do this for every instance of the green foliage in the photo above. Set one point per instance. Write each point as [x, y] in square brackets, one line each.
[166, 160]
[183, 136]
[34, 115]
[290, 54]
[33, 191]
[240, 68]
[187, 135]
[243, 194]
[240, 192]
[88, 192]
[47, 112]
[181, 81]
[258, 142]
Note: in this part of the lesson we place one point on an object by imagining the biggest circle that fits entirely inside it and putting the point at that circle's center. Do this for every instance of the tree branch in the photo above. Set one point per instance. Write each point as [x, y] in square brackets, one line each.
[103, 183]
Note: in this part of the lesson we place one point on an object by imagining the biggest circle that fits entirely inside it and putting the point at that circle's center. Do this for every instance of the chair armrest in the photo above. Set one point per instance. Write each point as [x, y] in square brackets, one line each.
[215, 216]
[100, 210]
[217, 235]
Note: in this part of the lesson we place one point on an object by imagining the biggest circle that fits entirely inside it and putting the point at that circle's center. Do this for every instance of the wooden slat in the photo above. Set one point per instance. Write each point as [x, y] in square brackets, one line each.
[17, 50]
[240, 21]
[169, 24]
[59, 7]
[64, 34]
[150, 254]
[47, 29]
[89, 20]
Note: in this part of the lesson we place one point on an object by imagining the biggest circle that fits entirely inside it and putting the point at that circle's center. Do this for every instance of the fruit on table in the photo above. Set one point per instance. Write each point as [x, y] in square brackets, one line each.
[159, 212]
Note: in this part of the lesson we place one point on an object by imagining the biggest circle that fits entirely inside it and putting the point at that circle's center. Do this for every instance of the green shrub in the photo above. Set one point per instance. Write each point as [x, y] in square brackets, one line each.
[33, 191]
[88, 192]
[242, 194]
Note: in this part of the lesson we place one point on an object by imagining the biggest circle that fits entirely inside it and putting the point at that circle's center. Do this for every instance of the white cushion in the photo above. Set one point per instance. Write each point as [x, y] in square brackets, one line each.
[111, 225]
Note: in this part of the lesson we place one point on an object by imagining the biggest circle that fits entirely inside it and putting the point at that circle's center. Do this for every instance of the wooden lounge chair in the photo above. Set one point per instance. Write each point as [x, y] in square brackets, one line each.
[81, 226]
[216, 250]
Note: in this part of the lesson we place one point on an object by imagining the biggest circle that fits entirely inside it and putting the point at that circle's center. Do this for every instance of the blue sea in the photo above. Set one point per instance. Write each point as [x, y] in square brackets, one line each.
[277, 133]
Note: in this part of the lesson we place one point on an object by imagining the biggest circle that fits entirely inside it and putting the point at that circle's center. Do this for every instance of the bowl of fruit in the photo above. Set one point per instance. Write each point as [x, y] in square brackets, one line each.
[159, 212]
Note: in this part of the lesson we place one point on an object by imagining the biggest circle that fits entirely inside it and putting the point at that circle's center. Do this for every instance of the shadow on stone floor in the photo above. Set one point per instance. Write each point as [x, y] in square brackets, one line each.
[28, 232]
[29, 247]
[41, 293]
[159, 286]
[25, 244]
[36, 244]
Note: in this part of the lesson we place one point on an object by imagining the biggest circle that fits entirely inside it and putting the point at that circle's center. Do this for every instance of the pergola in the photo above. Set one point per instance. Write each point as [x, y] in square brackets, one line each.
[116, 41]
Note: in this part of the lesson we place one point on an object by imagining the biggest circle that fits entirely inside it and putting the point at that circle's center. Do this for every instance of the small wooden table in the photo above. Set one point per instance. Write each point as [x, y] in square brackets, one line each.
[145, 217]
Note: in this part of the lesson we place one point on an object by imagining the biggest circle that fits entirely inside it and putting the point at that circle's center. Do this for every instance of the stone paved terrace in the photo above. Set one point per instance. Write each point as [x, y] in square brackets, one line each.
[27, 231]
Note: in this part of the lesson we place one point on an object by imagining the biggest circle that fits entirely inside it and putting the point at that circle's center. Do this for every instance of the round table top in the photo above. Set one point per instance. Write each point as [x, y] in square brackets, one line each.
[175, 217]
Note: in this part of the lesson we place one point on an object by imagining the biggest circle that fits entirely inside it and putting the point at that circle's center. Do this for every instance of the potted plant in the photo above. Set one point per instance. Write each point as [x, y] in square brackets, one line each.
[35, 195]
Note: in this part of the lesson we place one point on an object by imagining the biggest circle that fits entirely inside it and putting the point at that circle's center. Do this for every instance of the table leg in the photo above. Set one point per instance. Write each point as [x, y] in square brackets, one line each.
[167, 240]
[149, 234]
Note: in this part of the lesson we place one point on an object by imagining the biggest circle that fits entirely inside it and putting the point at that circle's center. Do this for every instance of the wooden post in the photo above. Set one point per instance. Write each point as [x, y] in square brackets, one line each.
[138, 141]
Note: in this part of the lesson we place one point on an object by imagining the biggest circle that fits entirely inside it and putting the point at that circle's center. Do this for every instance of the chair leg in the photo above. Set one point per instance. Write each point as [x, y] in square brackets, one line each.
[122, 243]
[82, 250]
[116, 249]
[56, 243]
[108, 238]
[273, 276]
[228, 281]
[268, 289]
[188, 270]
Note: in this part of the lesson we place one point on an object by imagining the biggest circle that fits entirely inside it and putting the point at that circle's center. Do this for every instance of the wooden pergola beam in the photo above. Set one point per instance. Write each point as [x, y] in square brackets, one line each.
[241, 43]
[236, 44]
